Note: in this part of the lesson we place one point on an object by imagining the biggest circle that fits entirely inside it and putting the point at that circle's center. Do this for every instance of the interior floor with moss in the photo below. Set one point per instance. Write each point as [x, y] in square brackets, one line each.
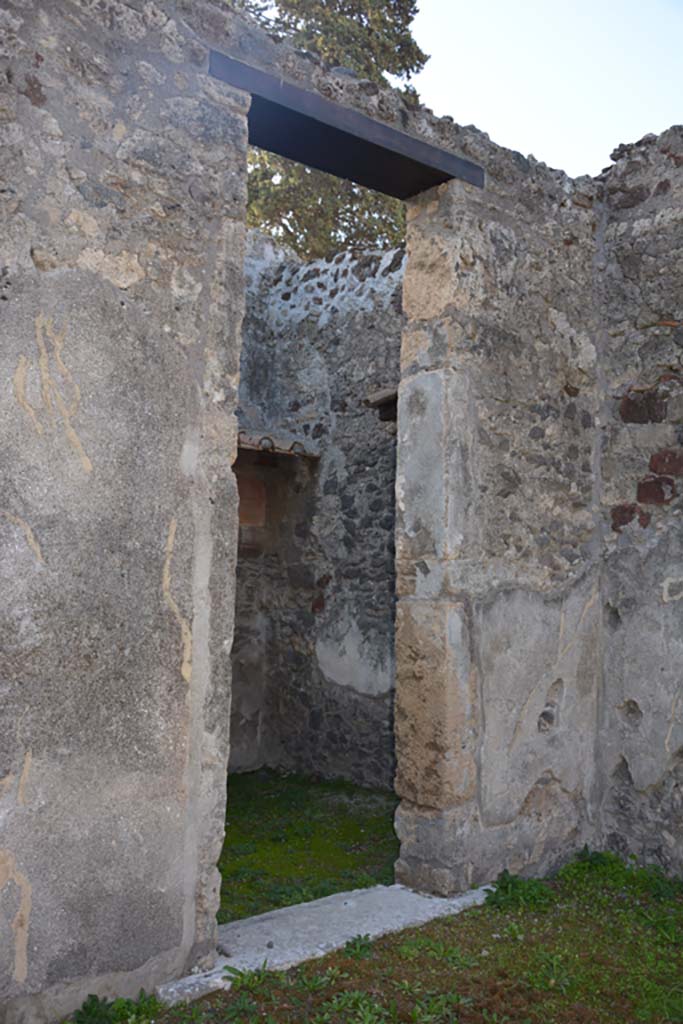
[291, 839]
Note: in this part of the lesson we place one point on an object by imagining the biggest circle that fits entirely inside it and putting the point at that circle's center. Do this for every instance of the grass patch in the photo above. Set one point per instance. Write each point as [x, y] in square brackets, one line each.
[290, 839]
[97, 1010]
[601, 943]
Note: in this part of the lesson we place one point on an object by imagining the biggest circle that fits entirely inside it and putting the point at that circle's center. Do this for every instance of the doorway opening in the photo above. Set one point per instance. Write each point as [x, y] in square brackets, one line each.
[312, 748]
[313, 662]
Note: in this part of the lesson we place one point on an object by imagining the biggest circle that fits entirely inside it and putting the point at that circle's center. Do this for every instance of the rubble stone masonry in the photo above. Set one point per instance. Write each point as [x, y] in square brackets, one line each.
[313, 660]
[539, 641]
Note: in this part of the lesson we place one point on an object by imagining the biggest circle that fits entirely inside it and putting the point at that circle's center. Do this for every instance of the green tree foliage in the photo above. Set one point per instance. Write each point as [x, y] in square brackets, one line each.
[315, 213]
[369, 36]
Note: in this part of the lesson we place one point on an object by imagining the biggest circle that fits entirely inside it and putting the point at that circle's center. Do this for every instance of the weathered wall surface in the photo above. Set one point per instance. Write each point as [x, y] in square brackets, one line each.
[498, 614]
[537, 644]
[318, 581]
[123, 199]
[641, 723]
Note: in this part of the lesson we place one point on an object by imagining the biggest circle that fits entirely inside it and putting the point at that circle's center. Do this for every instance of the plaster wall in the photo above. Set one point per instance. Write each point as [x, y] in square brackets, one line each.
[123, 196]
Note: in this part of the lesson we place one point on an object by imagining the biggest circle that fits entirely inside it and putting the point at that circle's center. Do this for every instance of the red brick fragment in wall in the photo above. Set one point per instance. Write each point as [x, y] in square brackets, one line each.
[656, 490]
[643, 407]
[622, 515]
[318, 604]
[252, 494]
[669, 462]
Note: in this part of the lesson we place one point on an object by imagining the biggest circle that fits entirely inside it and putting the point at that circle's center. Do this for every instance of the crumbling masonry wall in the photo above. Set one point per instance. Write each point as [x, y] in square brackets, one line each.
[123, 197]
[640, 749]
[313, 660]
[539, 627]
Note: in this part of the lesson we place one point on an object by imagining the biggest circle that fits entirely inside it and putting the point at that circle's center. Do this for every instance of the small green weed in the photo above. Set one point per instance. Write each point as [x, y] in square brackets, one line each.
[97, 1010]
[359, 947]
[250, 981]
[514, 930]
[313, 982]
[550, 974]
[511, 892]
[242, 1009]
[418, 946]
[438, 1009]
[408, 988]
[191, 1015]
[354, 1007]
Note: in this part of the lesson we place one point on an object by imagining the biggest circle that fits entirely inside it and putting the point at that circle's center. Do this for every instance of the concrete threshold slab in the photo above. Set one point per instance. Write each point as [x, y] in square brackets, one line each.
[287, 937]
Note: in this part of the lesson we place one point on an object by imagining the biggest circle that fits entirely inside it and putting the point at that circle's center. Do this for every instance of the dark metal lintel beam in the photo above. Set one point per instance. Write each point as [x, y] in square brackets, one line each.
[310, 129]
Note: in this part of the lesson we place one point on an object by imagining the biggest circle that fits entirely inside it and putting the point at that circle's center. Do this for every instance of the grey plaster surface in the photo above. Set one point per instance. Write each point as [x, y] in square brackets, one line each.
[287, 937]
[122, 299]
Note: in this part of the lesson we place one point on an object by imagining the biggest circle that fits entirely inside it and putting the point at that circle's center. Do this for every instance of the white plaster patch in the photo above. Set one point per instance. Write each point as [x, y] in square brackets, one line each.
[189, 457]
[123, 269]
[580, 345]
[349, 661]
[184, 285]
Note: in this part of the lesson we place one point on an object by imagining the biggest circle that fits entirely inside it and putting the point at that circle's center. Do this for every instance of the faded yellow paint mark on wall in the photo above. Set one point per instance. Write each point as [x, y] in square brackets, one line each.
[9, 872]
[565, 646]
[185, 629]
[72, 436]
[20, 393]
[50, 343]
[28, 533]
[672, 720]
[23, 779]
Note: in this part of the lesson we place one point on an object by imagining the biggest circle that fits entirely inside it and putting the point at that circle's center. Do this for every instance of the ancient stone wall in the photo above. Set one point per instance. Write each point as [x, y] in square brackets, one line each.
[641, 719]
[313, 691]
[497, 623]
[123, 195]
[537, 630]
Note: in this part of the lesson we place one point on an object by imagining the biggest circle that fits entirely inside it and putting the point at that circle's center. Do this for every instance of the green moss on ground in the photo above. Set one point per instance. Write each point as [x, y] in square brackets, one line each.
[291, 839]
[602, 943]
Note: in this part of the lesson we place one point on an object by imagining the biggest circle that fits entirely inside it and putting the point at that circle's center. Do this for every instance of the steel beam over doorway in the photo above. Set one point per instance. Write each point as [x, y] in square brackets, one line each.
[305, 127]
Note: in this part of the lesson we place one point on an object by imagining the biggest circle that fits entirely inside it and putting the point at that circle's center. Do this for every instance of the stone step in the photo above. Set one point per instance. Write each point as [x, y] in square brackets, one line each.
[306, 931]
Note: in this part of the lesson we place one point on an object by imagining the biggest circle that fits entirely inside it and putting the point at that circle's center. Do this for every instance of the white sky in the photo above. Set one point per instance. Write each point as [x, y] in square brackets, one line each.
[565, 81]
